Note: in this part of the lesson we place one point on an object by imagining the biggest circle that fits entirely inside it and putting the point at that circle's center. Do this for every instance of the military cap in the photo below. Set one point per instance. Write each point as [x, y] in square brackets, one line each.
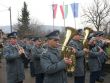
[12, 35]
[93, 38]
[79, 32]
[90, 36]
[53, 35]
[36, 38]
[29, 37]
[99, 33]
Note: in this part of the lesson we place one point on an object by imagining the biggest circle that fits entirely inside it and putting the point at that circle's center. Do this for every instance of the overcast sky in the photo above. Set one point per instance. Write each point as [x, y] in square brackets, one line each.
[41, 10]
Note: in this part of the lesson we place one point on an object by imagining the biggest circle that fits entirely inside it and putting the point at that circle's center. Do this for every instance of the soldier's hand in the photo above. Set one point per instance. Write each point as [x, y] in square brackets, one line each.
[68, 61]
[86, 50]
[100, 49]
[73, 50]
[19, 52]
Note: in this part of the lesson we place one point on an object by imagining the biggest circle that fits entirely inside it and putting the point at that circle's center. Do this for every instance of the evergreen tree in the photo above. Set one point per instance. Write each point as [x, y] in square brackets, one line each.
[23, 22]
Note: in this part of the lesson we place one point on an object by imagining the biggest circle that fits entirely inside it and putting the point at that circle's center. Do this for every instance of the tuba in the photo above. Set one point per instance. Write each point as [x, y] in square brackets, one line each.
[87, 32]
[66, 50]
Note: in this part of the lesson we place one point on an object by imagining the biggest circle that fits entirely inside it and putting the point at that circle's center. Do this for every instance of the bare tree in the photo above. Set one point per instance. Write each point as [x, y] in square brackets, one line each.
[98, 14]
[35, 26]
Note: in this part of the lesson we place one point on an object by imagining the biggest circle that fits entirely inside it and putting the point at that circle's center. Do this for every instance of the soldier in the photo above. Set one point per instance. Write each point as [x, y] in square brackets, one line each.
[14, 60]
[79, 73]
[28, 47]
[37, 51]
[1, 49]
[103, 44]
[1, 52]
[52, 63]
[94, 61]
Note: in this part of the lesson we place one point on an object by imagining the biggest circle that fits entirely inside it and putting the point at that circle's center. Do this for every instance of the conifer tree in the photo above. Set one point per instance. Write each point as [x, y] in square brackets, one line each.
[23, 22]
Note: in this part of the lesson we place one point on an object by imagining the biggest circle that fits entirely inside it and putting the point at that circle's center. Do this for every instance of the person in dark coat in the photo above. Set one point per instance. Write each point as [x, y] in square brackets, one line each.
[79, 73]
[101, 42]
[37, 51]
[94, 61]
[14, 60]
[27, 46]
[52, 63]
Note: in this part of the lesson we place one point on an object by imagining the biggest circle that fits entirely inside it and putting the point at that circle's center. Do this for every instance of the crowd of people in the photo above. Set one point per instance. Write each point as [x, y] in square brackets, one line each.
[44, 57]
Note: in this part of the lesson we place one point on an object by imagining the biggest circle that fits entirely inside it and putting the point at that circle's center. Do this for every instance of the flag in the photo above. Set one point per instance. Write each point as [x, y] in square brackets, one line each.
[54, 9]
[64, 10]
[74, 7]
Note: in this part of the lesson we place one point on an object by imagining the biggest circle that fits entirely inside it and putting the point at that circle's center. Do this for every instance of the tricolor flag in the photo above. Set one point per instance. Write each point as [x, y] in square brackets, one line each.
[64, 10]
[54, 9]
[74, 7]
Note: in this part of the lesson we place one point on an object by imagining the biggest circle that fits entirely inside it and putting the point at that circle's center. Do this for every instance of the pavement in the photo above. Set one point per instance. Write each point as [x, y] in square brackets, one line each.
[29, 79]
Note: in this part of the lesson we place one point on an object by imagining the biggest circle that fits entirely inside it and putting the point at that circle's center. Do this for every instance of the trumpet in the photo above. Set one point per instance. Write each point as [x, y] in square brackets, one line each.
[105, 40]
[20, 50]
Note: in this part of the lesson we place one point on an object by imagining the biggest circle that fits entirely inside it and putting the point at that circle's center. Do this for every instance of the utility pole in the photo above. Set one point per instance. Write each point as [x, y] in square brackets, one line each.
[10, 19]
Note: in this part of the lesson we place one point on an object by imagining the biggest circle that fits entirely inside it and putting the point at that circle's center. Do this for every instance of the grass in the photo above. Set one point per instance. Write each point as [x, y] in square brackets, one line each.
[108, 51]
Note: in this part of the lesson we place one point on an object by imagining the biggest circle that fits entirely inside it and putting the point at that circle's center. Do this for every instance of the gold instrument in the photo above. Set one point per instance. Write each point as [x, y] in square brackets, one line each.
[66, 50]
[87, 32]
[105, 40]
[20, 50]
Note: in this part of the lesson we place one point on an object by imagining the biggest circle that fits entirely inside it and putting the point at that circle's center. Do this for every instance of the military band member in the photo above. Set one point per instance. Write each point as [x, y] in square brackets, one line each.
[51, 61]
[14, 62]
[37, 51]
[79, 73]
[103, 44]
[28, 46]
[94, 61]
[1, 51]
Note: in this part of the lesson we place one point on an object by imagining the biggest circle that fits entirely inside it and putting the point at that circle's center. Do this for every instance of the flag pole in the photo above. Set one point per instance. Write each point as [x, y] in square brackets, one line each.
[75, 22]
[64, 12]
[53, 14]
[74, 16]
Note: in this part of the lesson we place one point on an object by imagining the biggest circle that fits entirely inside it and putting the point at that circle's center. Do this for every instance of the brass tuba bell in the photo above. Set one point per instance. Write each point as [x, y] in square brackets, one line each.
[66, 50]
[87, 32]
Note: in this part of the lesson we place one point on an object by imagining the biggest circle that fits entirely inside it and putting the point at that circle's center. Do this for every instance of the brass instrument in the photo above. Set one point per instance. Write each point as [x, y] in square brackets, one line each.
[66, 50]
[20, 50]
[87, 32]
[105, 40]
